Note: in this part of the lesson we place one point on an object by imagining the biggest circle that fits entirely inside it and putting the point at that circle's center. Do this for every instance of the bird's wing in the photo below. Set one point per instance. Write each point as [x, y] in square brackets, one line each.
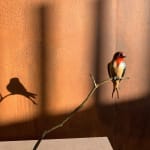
[20, 87]
[123, 72]
[111, 71]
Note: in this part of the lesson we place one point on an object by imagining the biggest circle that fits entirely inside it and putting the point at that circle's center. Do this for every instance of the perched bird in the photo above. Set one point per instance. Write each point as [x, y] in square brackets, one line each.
[116, 70]
[16, 87]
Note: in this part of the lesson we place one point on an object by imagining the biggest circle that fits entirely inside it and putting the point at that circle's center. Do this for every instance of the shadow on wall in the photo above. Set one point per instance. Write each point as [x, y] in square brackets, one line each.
[43, 18]
[16, 87]
[128, 129]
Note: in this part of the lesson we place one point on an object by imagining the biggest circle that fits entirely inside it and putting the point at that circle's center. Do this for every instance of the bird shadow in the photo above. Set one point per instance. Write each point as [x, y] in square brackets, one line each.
[15, 87]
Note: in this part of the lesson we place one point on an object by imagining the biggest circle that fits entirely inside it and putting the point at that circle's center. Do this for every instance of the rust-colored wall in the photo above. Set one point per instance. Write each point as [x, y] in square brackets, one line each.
[52, 46]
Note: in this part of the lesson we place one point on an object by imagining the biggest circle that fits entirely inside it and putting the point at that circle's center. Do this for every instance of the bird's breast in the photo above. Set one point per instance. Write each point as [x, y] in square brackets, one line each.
[122, 65]
[119, 68]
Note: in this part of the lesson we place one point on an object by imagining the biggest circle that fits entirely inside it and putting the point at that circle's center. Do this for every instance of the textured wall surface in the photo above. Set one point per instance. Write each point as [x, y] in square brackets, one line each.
[52, 46]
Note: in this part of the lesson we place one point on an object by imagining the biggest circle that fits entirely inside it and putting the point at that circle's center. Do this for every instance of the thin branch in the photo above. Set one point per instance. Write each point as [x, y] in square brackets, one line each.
[61, 124]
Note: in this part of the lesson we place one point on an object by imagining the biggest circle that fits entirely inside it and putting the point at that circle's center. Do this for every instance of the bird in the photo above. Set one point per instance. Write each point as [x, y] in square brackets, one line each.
[116, 70]
[16, 87]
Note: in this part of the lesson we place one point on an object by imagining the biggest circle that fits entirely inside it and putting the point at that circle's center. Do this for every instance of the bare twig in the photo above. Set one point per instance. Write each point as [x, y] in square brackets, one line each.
[96, 85]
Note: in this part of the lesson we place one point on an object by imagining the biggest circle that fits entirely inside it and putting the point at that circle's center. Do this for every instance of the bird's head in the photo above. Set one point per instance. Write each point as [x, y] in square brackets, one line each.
[118, 55]
[15, 79]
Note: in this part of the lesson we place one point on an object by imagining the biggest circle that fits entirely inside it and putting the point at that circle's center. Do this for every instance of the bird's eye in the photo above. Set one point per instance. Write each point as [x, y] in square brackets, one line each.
[121, 54]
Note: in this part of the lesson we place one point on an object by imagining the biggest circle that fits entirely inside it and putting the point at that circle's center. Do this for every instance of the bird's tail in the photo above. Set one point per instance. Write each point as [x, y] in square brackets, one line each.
[31, 95]
[115, 88]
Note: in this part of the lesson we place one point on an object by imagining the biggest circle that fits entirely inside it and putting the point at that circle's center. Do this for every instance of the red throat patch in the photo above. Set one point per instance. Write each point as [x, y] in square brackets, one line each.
[119, 60]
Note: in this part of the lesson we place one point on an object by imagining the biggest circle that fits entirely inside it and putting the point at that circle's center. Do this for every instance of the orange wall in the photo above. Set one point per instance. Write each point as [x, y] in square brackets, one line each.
[52, 46]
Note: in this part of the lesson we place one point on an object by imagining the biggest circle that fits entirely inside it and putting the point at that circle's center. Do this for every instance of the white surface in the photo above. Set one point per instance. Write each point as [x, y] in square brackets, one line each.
[100, 143]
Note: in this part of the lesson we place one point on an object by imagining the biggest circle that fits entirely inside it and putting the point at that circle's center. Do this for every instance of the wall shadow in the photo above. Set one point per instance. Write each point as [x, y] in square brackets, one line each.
[43, 17]
[132, 125]
[15, 87]
[132, 132]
